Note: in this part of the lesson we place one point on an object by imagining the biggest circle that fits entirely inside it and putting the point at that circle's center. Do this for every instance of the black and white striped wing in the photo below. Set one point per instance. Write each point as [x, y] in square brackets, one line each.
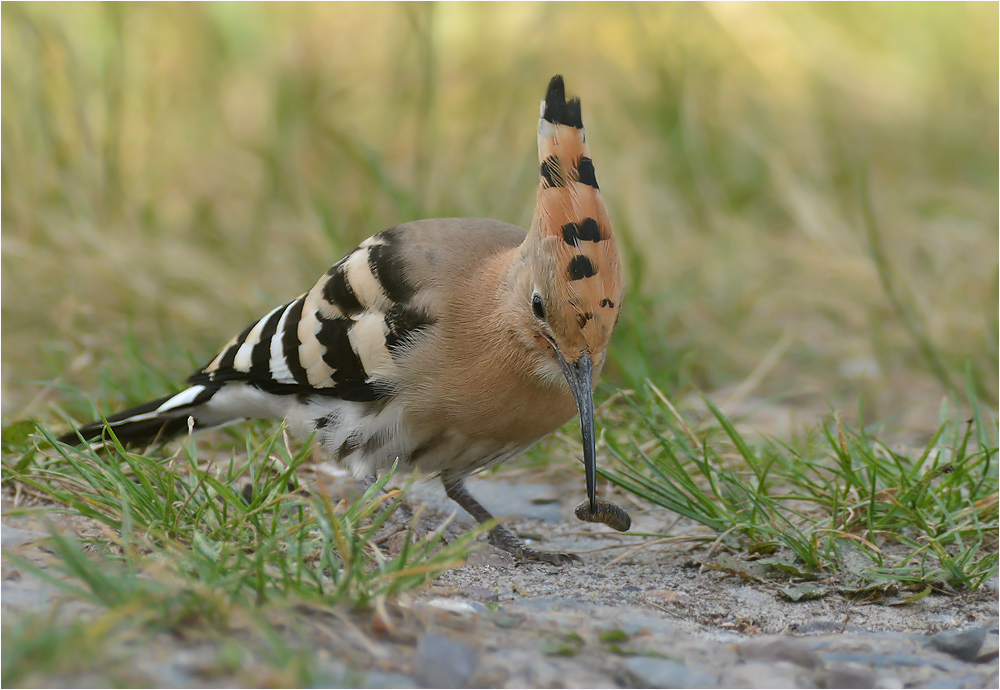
[338, 342]
[340, 339]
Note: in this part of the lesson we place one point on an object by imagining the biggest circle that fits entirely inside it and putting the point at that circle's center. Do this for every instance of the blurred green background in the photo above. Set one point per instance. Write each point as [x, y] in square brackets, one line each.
[806, 194]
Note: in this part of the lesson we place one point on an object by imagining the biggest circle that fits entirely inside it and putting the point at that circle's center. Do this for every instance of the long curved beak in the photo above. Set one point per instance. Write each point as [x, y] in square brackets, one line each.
[580, 379]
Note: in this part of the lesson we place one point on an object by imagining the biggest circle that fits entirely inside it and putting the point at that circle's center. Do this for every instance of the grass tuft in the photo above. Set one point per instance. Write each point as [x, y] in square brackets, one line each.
[922, 518]
[279, 541]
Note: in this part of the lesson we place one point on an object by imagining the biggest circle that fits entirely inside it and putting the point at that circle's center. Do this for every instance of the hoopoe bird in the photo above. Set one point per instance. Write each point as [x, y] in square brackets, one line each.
[449, 345]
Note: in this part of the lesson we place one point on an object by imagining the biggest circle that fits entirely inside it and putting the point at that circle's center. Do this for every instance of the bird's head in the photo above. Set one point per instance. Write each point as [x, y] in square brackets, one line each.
[572, 293]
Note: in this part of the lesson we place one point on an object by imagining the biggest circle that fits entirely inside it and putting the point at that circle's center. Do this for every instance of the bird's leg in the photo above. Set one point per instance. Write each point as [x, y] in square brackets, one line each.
[500, 536]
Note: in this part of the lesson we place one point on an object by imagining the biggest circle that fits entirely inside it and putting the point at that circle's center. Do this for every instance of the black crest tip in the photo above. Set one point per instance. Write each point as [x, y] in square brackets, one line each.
[556, 93]
[557, 110]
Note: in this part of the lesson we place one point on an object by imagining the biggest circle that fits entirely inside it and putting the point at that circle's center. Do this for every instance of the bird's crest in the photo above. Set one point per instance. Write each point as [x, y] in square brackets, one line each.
[571, 225]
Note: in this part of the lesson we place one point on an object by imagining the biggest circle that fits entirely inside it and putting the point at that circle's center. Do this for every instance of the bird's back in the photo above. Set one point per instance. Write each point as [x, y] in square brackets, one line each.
[359, 359]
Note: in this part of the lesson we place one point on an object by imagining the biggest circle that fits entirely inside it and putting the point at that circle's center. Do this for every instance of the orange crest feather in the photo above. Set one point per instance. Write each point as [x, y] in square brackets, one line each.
[573, 227]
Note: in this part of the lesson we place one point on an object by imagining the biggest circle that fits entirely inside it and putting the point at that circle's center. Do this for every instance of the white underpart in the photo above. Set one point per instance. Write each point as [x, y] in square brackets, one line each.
[244, 356]
[357, 420]
[235, 402]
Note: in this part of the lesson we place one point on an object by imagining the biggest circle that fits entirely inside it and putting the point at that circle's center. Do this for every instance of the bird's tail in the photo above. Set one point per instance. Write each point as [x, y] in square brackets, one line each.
[152, 422]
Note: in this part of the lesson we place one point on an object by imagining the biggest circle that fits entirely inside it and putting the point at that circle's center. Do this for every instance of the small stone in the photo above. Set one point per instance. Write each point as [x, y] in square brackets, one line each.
[444, 663]
[847, 677]
[771, 648]
[962, 644]
[527, 670]
[505, 620]
[378, 679]
[749, 595]
[806, 592]
[12, 536]
[645, 672]
[167, 674]
[668, 596]
[562, 644]
[482, 594]
[470, 608]
[878, 660]
[27, 593]
[821, 626]
[771, 674]
[490, 555]
[556, 604]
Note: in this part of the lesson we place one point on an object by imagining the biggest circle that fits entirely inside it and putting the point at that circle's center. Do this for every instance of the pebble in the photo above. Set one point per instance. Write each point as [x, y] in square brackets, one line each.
[444, 663]
[490, 556]
[13, 536]
[772, 648]
[556, 603]
[749, 595]
[961, 644]
[666, 596]
[820, 626]
[457, 606]
[522, 669]
[773, 674]
[944, 683]
[27, 593]
[878, 660]
[167, 675]
[482, 594]
[644, 672]
[848, 677]
[378, 679]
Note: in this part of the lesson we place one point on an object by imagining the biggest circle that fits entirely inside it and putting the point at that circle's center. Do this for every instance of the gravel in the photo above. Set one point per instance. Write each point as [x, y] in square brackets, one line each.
[655, 618]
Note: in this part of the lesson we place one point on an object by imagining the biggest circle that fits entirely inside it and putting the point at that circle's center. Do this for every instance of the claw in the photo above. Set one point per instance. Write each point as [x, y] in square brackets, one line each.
[502, 538]
[554, 558]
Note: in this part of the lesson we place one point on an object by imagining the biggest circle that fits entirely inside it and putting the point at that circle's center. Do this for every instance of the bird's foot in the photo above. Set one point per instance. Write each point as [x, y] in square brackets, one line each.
[502, 538]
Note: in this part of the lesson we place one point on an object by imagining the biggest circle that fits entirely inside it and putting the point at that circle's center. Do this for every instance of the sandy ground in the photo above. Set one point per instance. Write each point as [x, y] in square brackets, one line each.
[635, 613]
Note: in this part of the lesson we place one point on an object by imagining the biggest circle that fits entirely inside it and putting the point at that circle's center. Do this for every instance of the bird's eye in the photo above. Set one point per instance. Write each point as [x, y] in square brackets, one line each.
[537, 307]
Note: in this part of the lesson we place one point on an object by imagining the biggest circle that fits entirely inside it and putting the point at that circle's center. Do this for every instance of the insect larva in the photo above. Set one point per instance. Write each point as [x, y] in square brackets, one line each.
[611, 515]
